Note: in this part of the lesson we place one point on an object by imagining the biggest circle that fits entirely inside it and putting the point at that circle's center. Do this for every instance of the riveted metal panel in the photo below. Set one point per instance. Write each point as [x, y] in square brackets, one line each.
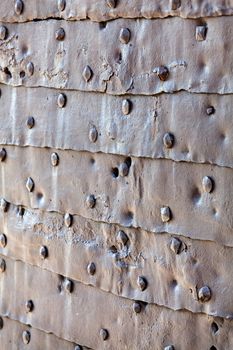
[118, 65]
[174, 268]
[199, 137]
[154, 327]
[97, 187]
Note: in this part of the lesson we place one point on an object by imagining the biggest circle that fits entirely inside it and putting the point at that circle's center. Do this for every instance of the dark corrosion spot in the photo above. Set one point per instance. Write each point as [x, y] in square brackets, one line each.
[102, 25]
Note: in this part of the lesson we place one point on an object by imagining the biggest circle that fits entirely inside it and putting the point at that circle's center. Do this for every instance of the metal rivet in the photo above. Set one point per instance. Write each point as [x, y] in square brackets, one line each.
[142, 283]
[4, 204]
[60, 34]
[137, 308]
[122, 237]
[165, 213]
[61, 100]
[93, 134]
[210, 110]
[91, 268]
[61, 5]
[54, 159]
[3, 240]
[18, 7]
[169, 347]
[2, 154]
[124, 35]
[30, 122]
[204, 294]
[111, 3]
[68, 286]
[162, 72]
[175, 245]
[29, 306]
[1, 323]
[168, 140]
[30, 69]
[126, 107]
[2, 265]
[43, 252]
[68, 219]
[26, 336]
[78, 347]
[123, 169]
[87, 73]
[104, 334]
[175, 4]
[29, 184]
[90, 201]
[201, 32]
[3, 32]
[207, 184]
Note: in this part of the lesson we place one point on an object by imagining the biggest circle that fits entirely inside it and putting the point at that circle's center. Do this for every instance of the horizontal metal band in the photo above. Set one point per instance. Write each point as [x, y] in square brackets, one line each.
[102, 320]
[201, 124]
[157, 195]
[102, 10]
[111, 59]
[112, 259]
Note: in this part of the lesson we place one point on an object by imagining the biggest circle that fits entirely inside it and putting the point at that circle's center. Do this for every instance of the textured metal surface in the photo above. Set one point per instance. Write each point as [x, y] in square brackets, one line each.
[201, 124]
[175, 268]
[86, 311]
[102, 10]
[96, 187]
[68, 58]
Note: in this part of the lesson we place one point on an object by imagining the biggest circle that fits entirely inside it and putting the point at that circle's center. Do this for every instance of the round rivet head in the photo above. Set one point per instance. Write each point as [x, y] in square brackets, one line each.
[207, 184]
[29, 306]
[87, 73]
[175, 245]
[43, 252]
[3, 240]
[61, 5]
[124, 35]
[61, 100]
[168, 140]
[169, 347]
[104, 334]
[111, 3]
[93, 134]
[18, 7]
[91, 269]
[123, 169]
[26, 336]
[204, 294]
[2, 265]
[4, 205]
[54, 159]
[30, 122]
[2, 154]
[122, 237]
[3, 32]
[126, 107]
[165, 213]
[90, 201]
[60, 34]
[68, 286]
[142, 283]
[68, 219]
[162, 73]
[210, 110]
[29, 184]
[137, 308]
[30, 69]
[1, 323]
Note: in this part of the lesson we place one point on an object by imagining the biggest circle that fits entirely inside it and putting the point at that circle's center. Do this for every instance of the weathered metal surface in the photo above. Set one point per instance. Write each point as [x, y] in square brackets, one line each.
[201, 124]
[152, 328]
[11, 338]
[102, 10]
[157, 195]
[175, 268]
[68, 58]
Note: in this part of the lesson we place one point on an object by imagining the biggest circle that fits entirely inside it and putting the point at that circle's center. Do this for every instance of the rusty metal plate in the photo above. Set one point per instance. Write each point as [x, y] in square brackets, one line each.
[157, 195]
[116, 324]
[113, 258]
[102, 10]
[13, 335]
[201, 124]
[68, 58]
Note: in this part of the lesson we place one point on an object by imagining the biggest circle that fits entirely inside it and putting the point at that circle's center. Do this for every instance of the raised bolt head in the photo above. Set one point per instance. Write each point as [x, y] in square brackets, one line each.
[175, 4]
[175, 245]
[1, 323]
[26, 336]
[142, 283]
[30, 122]
[104, 334]
[210, 110]
[60, 34]
[111, 3]
[201, 32]
[29, 306]
[207, 184]
[30, 69]
[3, 32]
[93, 134]
[90, 201]
[124, 35]
[204, 294]
[137, 308]
[68, 286]
[2, 265]
[168, 140]
[91, 269]
[123, 169]
[3, 240]
[18, 7]
[29, 184]
[68, 219]
[162, 73]
[165, 213]
[61, 100]
[54, 159]
[126, 107]
[2, 154]
[43, 252]
[61, 5]
[122, 237]
[4, 205]
[87, 73]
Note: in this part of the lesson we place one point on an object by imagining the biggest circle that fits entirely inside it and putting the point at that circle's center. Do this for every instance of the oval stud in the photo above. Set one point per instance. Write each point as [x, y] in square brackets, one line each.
[126, 107]
[168, 140]
[104, 334]
[175, 245]
[26, 336]
[162, 73]
[68, 219]
[43, 252]
[30, 69]
[3, 33]
[137, 308]
[61, 100]
[60, 34]
[124, 36]
[30, 122]
[18, 7]
[61, 5]
[210, 110]
[204, 294]
[29, 306]
[90, 201]
[87, 74]
[93, 134]
[123, 169]
[91, 269]
[4, 205]
[207, 184]
[78, 347]
[2, 154]
[2, 265]
[68, 286]
[142, 283]
[1, 323]
[111, 3]
[122, 237]
[169, 347]
[3, 240]
[29, 184]
[165, 213]
[54, 159]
